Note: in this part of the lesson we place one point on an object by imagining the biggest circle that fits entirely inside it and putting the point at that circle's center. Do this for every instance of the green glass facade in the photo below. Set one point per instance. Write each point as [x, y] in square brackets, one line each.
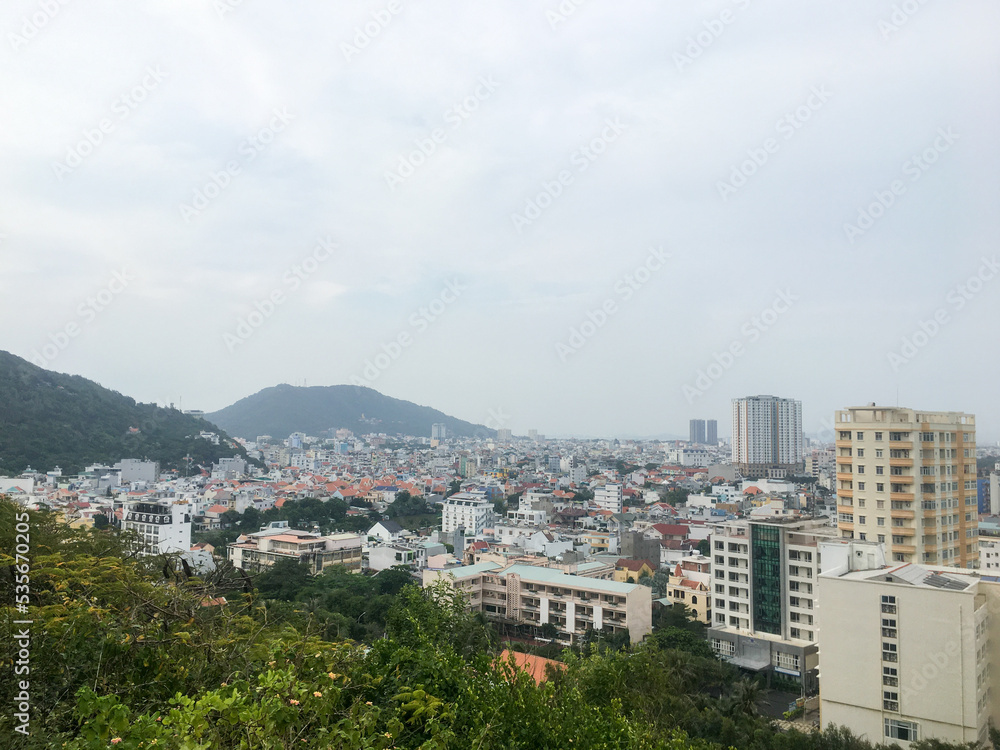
[765, 555]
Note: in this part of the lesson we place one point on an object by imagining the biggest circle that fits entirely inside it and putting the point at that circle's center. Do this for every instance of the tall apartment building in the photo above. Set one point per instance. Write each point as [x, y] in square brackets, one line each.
[439, 431]
[907, 649]
[470, 510]
[763, 597]
[767, 436]
[161, 526]
[711, 432]
[537, 595]
[609, 497]
[908, 478]
[696, 431]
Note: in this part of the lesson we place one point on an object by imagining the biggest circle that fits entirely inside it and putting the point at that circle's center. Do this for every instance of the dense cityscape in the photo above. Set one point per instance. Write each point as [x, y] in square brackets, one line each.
[810, 565]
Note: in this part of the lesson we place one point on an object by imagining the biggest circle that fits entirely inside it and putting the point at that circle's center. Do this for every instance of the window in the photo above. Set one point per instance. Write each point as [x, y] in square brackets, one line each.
[879, 487]
[890, 700]
[861, 452]
[890, 676]
[879, 469]
[878, 453]
[898, 729]
[878, 435]
[881, 537]
[861, 436]
[861, 486]
[889, 652]
[861, 519]
[881, 520]
[862, 536]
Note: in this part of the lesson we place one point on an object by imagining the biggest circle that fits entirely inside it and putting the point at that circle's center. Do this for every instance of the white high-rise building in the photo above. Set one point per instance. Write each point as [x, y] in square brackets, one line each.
[161, 525]
[908, 478]
[763, 597]
[906, 650]
[471, 510]
[439, 431]
[609, 497]
[767, 436]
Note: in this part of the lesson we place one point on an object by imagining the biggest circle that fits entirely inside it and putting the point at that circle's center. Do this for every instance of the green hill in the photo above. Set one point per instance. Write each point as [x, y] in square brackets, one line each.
[48, 419]
[283, 409]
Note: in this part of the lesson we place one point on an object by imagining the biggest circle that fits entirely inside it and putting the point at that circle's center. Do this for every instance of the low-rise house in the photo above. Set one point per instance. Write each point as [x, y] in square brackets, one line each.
[630, 571]
[258, 551]
[387, 531]
[690, 585]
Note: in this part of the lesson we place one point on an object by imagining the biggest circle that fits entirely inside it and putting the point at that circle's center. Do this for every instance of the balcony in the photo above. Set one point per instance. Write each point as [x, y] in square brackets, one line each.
[849, 509]
[900, 513]
[904, 462]
[900, 445]
[903, 530]
[844, 477]
[904, 549]
[845, 526]
[843, 443]
[901, 478]
[904, 496]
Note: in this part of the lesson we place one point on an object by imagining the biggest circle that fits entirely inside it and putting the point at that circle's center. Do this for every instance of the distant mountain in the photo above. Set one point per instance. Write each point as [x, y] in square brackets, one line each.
[284, 409]
[48, 419]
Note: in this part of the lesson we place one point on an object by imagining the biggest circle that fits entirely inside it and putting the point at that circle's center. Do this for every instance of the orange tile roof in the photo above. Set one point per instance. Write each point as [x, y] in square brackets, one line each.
[533, 665]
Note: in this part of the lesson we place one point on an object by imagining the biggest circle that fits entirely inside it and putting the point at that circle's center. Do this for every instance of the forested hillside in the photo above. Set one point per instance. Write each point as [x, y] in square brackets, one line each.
[48, 419]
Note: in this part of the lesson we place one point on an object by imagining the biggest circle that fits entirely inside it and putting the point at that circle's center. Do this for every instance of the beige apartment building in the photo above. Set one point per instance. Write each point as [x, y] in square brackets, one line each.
[255, 552]
[535, 595]
[907, 478]
[906, 649]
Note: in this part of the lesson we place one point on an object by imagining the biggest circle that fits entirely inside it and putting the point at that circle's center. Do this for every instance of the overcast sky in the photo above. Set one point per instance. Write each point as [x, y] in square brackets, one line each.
[589, 218]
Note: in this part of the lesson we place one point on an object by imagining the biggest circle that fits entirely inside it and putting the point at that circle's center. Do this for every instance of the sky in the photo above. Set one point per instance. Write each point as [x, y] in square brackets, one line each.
[585, 218]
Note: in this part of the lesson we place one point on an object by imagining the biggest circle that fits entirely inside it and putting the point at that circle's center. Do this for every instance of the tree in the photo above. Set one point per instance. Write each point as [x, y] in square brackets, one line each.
[284, 580]
[454, 487]
[704, 547]
[674, 496]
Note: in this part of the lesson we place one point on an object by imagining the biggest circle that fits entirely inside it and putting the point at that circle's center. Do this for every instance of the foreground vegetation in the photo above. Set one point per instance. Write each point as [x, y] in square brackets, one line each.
[126, 653]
